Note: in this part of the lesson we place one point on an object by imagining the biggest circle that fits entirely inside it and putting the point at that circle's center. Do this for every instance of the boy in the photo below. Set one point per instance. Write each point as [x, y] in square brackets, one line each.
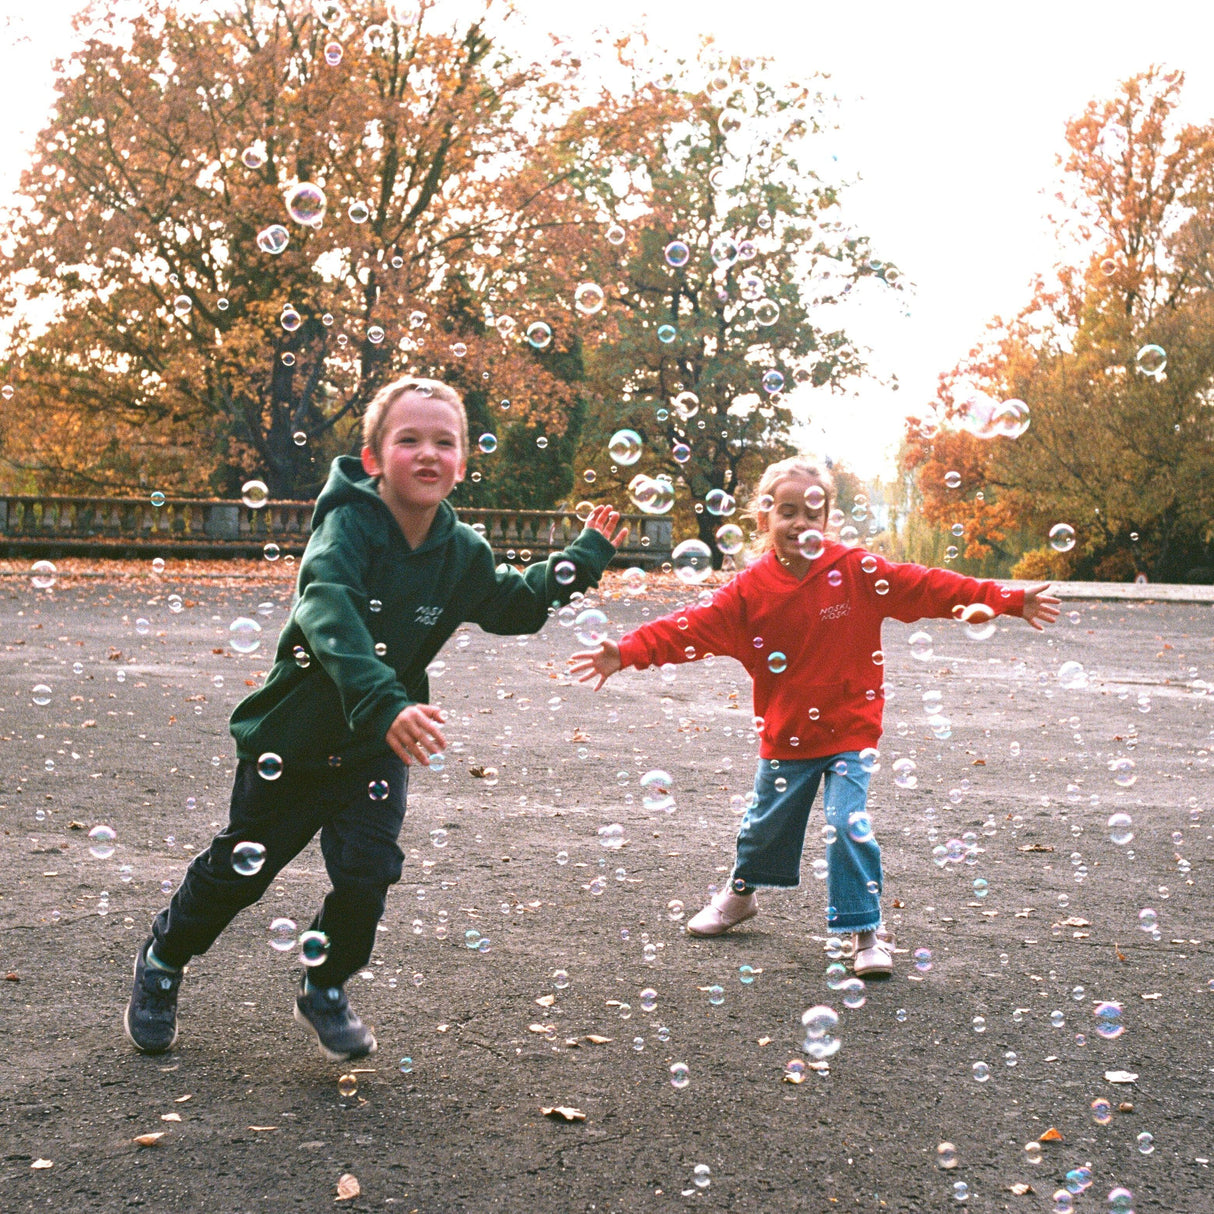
[326, 743]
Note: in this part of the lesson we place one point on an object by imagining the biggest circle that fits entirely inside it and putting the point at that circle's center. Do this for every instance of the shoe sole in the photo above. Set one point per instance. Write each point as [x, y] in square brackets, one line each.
[333, 1055]
[126, 1026]
[702, 935]
[874, 973]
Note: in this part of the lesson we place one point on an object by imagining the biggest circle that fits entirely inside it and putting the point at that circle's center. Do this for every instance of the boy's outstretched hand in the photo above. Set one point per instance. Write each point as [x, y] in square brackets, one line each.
[1040, 608]
[415, 734]
[600, 663]
[603, 519]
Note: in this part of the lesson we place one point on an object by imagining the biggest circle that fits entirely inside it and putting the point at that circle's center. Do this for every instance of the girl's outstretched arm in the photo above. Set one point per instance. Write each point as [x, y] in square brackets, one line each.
[602, 662]
[603, 519]
[1040, 608]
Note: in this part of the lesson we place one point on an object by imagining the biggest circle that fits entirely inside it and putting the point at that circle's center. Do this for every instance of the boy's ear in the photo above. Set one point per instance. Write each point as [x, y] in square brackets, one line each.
[371, 462]
[463, 468]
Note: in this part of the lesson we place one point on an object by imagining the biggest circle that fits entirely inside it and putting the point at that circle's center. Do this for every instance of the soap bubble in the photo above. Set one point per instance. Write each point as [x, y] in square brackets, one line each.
[724, 251]
[923, 959]
[254, 494]
[244, 635]
[41, 694]
[1151, 360]
[1102, 1110]
[961, 1191]
[273, 239]
[438, 836]
[853, 993]
[701, 1175]
[1146, 1143]
[333, 56]
[378, 790]
[282, 935]
[773, 381]
[615, 234]
[590, 626]
[692, 561]
[1120, 831]
[680, 1075]
[777, 663]
[746, 974]
[730, 539]
[1148, 919]
[564, 572]
[625, 447]
[667, 334]
[920, 643]
[1072, 676]
[271, 552]
[269, 766]
[655, 787]
[1062, 537]
[811, 543]
[651, 494]
[686, 405]
[1121, 1201]
[588, 298]
[101, 842]
[313, 948]
[859, 828]
[347, 1086]
[719, 503]
[946, 1156]
[905, 773]
[539, 335]
[253, 157]
[952, 480]
[248, 858]
[1108, 1020]
[290, 319]
[979, 621]
[981, 1071]
[649, 999]
[611, 836]
[677, 254]
[42, 575]
[674, 910]
[820, 1023]
[1123, 771]
[306, 203]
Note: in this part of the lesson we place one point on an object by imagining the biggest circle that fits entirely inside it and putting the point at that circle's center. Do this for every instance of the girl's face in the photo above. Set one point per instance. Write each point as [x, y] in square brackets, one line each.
[798, 505]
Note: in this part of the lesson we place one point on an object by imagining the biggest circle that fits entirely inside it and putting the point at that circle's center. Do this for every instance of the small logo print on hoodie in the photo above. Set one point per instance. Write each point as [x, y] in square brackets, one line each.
[427, 617]
[836, 611]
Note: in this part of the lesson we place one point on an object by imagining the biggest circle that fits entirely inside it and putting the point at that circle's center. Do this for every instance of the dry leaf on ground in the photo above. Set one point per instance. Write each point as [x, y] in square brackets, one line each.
[40, 1164]
[148, 1140]
[347, 1187]
[564, 1113]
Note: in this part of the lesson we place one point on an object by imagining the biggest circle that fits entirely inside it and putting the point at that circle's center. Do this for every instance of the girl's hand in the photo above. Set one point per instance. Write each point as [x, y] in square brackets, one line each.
[603, 519]
[415, 735]
[602, 663]
[1040, 608]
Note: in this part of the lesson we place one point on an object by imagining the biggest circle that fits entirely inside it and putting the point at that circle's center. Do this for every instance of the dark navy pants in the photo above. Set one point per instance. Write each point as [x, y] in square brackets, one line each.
[358, 827]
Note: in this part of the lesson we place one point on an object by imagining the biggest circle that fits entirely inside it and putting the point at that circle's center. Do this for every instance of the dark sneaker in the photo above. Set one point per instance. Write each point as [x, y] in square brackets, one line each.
[150, 1019]
[338, 1031]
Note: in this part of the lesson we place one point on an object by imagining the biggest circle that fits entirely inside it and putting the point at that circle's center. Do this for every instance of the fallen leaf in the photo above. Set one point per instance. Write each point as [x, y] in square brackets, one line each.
[541, 1028]
[573, 1043]
[183, 1099]
[765, 1041]
[1035, 847]
[441, 1028]
[1051, 1135]
[1125, 1107]
[566, 1114]
[40, 1164]
[595, 1039]
[262, 1129]
[347, 1187]
[819, 1064]
[1076, 921]
[546, 1000]
[979, 763]
[170, 1116]
[1153, 995]
[148, 1140]
[1020, 1188]
[12, 976]
[1121, 1076]
[794, 1077]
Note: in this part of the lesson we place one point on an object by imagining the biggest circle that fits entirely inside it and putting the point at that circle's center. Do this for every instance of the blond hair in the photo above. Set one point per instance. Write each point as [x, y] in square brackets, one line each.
[760, 503]
[376, 416]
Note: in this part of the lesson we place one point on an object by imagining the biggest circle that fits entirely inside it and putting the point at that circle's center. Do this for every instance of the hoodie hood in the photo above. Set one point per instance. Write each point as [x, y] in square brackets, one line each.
[349, 483]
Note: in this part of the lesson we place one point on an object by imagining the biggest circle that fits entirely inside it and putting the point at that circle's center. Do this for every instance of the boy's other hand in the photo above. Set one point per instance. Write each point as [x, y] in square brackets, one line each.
[415, 734]
[1040, 608]
[600, 663]
[604, 519]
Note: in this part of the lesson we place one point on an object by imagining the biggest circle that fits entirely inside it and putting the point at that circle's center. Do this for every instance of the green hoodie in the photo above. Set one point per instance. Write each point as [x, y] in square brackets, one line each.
[331, 695]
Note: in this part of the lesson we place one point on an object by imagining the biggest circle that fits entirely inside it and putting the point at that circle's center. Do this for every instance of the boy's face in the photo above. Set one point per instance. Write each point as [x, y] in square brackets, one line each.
[421, 456]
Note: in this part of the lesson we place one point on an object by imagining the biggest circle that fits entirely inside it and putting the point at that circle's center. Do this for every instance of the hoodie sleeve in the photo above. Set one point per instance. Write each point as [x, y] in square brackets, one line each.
[507, 601]
[332, 598]
[690, 633]
[917, 592]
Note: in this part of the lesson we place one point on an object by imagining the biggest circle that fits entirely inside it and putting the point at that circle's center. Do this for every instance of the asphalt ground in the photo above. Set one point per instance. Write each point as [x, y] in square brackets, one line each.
[134, 737]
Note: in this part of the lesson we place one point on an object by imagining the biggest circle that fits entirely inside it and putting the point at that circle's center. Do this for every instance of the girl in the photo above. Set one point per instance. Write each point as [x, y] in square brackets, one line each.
[805, 620]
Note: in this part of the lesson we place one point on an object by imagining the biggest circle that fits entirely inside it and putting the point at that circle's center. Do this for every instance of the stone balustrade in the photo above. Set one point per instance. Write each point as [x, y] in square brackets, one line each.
[211, 527]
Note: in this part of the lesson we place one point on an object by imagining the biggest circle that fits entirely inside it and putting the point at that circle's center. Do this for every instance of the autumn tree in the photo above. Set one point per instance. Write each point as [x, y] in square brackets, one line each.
[242, 224]
[724, 249]
[1114, 358]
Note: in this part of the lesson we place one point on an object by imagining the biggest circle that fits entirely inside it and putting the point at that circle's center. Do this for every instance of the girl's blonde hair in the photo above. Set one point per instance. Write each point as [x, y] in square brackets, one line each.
[376, 416]
[760, 504]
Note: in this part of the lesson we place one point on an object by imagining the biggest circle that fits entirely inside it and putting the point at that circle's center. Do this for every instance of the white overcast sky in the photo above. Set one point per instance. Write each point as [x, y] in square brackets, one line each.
[952, 114]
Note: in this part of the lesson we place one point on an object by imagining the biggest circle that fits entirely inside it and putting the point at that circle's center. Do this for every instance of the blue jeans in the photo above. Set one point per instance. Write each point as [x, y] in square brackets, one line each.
[772, 835]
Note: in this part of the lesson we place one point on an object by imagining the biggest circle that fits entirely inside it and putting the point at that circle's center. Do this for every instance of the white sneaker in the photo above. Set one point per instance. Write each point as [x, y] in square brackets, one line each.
[874, 961]
[725, 910]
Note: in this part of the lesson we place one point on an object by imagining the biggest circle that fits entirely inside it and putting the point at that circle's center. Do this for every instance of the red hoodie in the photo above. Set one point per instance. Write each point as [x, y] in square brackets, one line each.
[826, 695]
